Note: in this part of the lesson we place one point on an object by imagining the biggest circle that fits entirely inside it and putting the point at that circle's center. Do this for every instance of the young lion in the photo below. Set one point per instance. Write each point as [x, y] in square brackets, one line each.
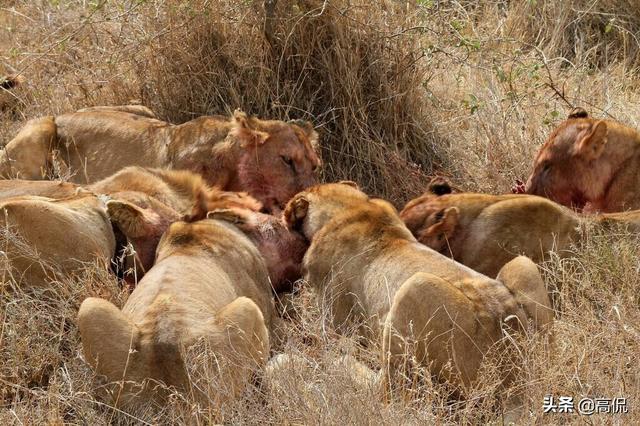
[366, 267]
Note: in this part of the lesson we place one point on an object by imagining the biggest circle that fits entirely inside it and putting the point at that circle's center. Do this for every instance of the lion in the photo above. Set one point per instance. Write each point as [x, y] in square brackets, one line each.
[144, 202]
[368, 271]
[589, 164]
[44, 237]
[141, 204]
[138, 220]
[282, 248]
[210, 286]
[182, 190]
[271, 160]
[485, 232]
[132, 109]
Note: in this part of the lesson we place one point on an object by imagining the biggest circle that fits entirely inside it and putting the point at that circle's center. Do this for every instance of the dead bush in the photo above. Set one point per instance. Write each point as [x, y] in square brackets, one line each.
[346, 66]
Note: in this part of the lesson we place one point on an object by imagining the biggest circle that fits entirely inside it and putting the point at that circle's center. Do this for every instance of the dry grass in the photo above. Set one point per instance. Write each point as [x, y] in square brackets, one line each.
[400, 92]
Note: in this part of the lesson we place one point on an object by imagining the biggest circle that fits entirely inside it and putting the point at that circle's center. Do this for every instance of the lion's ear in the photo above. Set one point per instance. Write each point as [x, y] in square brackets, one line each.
[446, 221]
[439, 186]
[129, 218]
[11, 81]
[244, 130]
[228, 215]
[592, 145]
[296, 211]
[309, 131]
[350, 183]
[578, 113]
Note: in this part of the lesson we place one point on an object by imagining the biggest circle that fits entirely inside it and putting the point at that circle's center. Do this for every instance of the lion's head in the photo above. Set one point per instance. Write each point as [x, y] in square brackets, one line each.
[309, 210]
[430, 217]
[570, 167]
[278, 159]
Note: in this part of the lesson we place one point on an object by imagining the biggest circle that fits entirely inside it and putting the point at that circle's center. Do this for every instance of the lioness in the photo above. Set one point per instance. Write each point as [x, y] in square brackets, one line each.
[133, 109]
[44, 237]
[185, 192]
[272, 160]
[141, 204]
[144, 202]
[589, 164]
[137, 220]
[486, 231]
[365, 265]
[210, 283]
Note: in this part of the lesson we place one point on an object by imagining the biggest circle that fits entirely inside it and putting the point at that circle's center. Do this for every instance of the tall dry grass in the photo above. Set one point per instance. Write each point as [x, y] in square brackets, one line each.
[400, 91]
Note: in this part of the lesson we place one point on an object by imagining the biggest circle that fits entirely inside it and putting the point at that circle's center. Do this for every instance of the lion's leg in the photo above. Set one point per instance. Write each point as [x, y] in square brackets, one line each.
[522, 277]
[238, 341]
[342, 308]
[111, 344]
[245, 329]
[27, 155]
[433, 323]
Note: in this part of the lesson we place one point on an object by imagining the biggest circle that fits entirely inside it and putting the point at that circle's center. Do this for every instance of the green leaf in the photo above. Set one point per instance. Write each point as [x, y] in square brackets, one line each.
[609, 26]
[472, 103]
[456, 25]
[425, 3]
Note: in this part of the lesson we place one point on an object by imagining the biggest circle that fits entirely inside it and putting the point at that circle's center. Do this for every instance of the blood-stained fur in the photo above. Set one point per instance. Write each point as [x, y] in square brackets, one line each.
[486, 231]
[269, 159]
[589, 164]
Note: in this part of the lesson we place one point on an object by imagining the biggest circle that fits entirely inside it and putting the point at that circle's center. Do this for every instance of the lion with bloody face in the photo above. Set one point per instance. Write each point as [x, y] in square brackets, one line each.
[270, 159]
[589, 164]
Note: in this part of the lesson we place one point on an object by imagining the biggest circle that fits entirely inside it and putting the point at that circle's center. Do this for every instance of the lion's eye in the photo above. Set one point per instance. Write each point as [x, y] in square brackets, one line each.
[288, 161]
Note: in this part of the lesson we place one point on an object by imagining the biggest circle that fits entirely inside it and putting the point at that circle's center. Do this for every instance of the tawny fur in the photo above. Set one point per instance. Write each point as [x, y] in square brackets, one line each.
[271, 160]
[142, 203]
[209, 283]
[41, 188]
[132, 109]
[486, 231]
[365, 265]
[589, 164]
[66, 235]
[185, 192]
